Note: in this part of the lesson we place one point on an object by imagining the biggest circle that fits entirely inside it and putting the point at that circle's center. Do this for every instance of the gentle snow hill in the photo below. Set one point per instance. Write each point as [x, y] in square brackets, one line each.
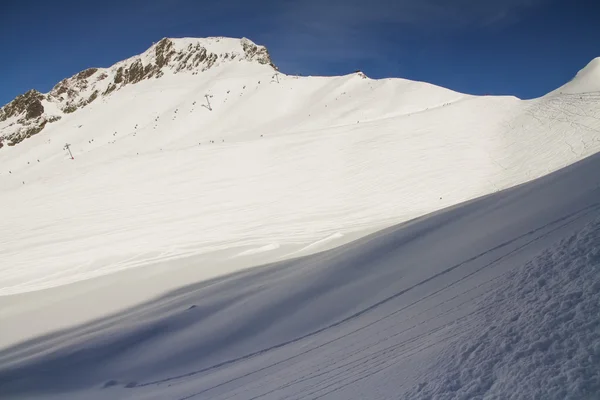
[274, 166]
[497, 298]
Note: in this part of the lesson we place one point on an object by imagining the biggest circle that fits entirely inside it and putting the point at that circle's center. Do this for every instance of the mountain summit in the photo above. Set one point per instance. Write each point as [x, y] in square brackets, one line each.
[28, 114]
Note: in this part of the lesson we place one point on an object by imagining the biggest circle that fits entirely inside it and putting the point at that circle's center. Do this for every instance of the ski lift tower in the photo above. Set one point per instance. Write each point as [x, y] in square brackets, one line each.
[208, 96]
[68, 148]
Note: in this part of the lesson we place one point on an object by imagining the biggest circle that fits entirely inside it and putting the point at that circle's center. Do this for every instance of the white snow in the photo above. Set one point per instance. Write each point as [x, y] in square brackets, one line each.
[165, 191]
[497, 298]
[157, 176]
[262, 249]
[536, 330]
[586, 81]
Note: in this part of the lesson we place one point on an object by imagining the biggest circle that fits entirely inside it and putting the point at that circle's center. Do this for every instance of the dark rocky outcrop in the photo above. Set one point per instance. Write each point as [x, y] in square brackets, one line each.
[163, 51]
[29, 103]
[86, 73]
[254, 52]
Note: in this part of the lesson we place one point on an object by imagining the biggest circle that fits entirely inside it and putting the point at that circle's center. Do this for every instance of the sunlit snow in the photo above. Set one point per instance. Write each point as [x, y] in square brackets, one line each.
[495, 298]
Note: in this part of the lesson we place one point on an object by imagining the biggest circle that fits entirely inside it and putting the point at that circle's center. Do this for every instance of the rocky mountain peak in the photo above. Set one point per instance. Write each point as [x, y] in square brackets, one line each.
[26, 115]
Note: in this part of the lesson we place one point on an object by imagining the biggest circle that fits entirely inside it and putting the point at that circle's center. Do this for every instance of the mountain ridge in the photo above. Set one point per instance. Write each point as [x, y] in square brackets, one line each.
[29, 113]
[585, 81]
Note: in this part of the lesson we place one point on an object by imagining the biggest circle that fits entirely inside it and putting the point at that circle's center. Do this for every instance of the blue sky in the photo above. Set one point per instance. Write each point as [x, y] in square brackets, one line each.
[520, 47]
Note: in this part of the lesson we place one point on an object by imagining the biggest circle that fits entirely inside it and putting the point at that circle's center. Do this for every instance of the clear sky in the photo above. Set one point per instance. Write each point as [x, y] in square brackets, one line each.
[520, 47]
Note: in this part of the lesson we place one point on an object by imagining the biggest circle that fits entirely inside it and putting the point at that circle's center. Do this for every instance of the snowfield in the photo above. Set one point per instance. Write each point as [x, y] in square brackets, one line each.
[496, 298]
[407, 241]
[157, 176]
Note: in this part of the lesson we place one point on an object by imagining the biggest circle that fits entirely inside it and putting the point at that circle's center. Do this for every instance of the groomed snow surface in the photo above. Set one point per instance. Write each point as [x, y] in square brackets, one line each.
[495, 298]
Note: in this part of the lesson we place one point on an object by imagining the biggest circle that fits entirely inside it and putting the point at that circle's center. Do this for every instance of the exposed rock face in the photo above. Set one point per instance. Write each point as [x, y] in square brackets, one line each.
[164, 51]
[25, 116]
[27, 109]
[29, 103]
[192, 58]
[78, 91]
[260, 54]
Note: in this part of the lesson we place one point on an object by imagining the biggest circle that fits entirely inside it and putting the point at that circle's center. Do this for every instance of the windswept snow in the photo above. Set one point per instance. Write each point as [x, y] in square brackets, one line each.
[291, 160]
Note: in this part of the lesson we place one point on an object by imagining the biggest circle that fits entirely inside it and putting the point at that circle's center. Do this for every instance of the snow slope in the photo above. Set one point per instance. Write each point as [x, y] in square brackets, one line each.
[281, 165]
[170, 199]
[497, 298]
[587, 80]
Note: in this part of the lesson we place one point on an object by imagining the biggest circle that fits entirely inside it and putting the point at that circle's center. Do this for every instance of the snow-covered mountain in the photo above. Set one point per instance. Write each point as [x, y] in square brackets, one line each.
[28, 114]
[199, 146]
[124, 271]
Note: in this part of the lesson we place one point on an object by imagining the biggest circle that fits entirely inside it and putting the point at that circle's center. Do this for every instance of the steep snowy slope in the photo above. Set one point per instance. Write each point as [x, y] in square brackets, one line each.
[268, 166]
[494, 299]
